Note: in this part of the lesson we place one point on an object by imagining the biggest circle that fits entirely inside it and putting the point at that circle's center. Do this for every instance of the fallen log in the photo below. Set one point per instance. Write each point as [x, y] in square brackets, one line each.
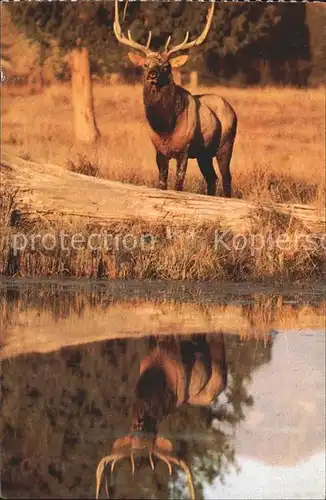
[55, 193]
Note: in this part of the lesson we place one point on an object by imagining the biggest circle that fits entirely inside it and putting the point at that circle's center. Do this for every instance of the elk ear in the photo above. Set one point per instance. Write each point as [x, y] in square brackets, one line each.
[179, 61]
[136, 59]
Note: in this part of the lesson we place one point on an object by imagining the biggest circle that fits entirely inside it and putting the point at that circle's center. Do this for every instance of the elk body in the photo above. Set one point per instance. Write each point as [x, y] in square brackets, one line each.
[175, 373]
[183, 125]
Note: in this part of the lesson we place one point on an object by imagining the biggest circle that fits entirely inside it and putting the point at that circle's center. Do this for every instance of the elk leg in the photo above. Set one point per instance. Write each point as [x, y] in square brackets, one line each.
[223, 157]
[206, 167]
[163, 168]
[182, 162]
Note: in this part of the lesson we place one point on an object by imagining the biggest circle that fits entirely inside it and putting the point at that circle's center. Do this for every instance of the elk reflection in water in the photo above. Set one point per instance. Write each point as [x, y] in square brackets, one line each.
[173, 374]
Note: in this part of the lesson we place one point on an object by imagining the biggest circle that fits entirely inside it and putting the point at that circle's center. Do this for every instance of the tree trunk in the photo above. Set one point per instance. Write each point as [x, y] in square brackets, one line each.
[35, 79]
[82, 97]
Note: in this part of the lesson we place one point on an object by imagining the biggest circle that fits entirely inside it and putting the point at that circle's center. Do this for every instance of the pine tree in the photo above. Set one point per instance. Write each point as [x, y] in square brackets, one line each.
[251, 41]
[242, 37]
[316, 21]
[235, 28]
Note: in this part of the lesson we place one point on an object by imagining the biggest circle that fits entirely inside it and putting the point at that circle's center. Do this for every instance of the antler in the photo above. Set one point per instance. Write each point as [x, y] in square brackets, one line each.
[162, 450]
[128, 41]
[122, 447]
[104, 462]
[167, 459]
[185, 45]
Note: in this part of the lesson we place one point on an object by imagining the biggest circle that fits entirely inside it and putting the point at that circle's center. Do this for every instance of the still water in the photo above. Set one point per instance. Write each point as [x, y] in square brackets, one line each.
[231, 384]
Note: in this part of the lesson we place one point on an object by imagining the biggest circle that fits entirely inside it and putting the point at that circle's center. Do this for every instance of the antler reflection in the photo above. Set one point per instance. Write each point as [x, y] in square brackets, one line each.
[162, 449]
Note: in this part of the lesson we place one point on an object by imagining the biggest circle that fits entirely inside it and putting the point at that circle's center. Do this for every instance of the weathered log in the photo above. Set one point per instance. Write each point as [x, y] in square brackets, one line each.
[56, 193]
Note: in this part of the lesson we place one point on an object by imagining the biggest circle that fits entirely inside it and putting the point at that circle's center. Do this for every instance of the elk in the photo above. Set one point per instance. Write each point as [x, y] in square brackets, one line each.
[183, 125]
[175, 373]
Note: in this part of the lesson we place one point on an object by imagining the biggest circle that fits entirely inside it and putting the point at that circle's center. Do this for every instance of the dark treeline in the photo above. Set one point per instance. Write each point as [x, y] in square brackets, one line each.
[249, 43]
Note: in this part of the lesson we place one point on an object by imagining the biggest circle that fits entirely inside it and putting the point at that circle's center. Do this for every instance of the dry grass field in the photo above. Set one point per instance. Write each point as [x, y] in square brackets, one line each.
[279, 153]
[279, 157]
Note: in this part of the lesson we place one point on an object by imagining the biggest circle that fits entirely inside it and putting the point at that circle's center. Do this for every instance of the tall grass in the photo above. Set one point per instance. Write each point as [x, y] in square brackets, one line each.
[278, 156]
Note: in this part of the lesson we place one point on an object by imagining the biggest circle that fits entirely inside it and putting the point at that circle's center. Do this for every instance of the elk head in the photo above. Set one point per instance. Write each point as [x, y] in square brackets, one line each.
[158, 65]
[131, 445]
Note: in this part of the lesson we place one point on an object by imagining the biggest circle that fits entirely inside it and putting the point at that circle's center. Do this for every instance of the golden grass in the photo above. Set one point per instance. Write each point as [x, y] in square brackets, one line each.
[278, 156]
[164, 252]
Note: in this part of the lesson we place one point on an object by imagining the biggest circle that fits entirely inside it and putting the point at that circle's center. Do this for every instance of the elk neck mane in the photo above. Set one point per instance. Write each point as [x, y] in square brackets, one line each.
[163, 105]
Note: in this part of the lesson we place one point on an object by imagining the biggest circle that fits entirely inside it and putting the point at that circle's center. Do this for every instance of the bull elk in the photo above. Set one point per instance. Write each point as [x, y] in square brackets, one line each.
[175, 373]
[183, 125]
